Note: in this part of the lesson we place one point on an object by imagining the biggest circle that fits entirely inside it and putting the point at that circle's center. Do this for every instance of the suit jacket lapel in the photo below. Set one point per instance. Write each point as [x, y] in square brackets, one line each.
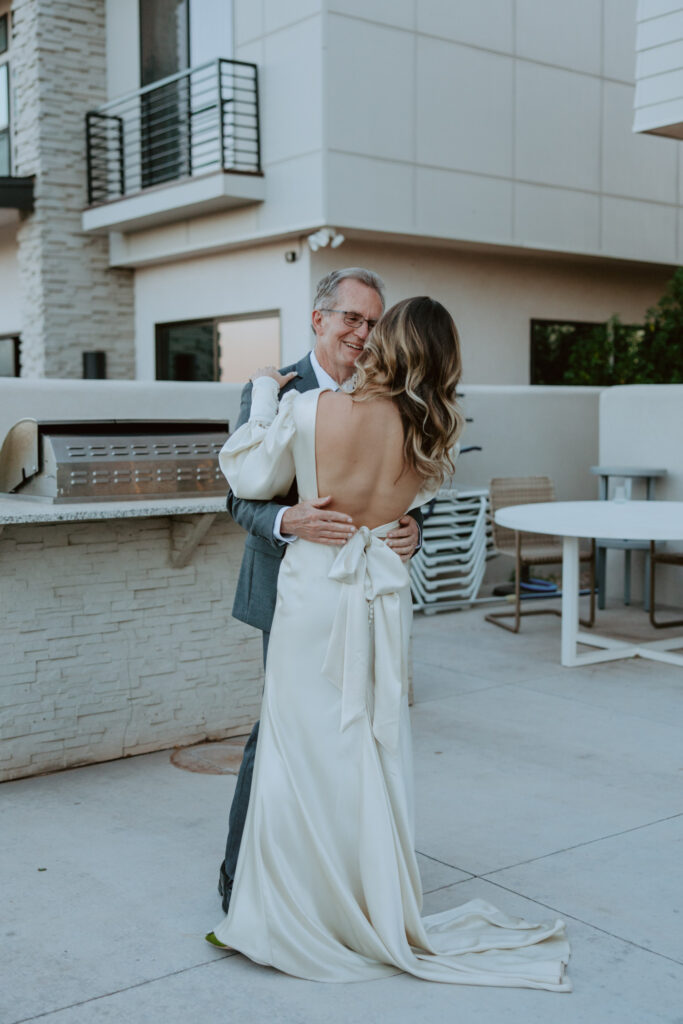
[307, 379]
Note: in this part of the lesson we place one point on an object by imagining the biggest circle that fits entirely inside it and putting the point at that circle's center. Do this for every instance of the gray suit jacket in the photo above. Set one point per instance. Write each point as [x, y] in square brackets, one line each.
[257, 582]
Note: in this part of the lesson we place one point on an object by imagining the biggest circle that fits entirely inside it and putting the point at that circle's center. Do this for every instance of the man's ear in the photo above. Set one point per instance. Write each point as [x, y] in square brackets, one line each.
[317, 320]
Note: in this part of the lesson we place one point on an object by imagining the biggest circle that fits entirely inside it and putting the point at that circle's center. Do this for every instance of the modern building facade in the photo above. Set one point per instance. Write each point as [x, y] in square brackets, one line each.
[479, 151]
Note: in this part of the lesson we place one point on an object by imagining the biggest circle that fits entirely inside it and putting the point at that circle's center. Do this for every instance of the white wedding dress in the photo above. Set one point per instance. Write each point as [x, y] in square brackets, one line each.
[327, 885]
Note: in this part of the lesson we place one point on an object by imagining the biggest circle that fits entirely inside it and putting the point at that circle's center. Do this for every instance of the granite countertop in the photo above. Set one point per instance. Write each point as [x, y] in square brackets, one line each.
[14, 509]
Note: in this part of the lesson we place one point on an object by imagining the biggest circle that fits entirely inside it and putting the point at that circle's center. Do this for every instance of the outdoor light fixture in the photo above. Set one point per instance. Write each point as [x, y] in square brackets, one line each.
[325, 236]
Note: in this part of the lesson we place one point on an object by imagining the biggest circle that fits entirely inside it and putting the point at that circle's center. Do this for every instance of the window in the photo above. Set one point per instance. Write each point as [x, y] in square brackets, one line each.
[577, 353]
[164, 51]
[226, 349]
[552, 343]
[9, 357]
[4, 34]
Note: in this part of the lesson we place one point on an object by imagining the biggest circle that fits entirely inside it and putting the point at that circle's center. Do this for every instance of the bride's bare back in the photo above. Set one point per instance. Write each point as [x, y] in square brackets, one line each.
[359, 459]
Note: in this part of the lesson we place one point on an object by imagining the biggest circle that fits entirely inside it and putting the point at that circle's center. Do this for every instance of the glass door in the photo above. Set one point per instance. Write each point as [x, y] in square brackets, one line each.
[165, 111]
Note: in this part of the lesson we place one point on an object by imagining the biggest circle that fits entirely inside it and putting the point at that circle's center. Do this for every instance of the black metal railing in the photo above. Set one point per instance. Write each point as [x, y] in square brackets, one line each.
[200, 120]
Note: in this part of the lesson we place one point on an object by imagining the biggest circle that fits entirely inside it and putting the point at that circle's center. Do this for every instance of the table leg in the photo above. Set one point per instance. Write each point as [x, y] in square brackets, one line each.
[570, 599]
[627, 577]
[601, 573]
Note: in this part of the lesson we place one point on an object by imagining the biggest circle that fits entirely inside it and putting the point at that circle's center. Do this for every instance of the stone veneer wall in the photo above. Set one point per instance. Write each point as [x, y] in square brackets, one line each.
[108, 651]
[72, 300]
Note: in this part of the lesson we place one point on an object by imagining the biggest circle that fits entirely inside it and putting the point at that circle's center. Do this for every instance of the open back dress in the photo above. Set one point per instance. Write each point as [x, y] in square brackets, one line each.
[327, 885]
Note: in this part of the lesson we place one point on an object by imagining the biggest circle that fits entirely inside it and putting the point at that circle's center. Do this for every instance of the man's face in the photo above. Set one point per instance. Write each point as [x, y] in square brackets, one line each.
[338, 345]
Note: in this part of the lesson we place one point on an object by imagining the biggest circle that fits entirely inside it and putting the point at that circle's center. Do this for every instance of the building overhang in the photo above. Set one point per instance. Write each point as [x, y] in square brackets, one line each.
[16, 194]
[658, 99]
[176, 201]
[655, 122]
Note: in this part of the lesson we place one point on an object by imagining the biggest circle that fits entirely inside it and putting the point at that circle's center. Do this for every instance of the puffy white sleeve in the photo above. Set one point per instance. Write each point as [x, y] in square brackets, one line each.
[257, 459]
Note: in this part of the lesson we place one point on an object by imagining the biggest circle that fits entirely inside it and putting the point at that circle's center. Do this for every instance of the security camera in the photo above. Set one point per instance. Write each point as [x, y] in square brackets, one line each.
[323, 237]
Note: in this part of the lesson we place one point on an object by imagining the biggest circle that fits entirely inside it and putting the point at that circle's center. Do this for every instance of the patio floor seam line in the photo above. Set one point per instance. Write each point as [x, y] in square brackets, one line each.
[461, 693]
[588, 924]
[446, 865]
[576, 846]
[118, 991]
[468, 670]
[449, 885]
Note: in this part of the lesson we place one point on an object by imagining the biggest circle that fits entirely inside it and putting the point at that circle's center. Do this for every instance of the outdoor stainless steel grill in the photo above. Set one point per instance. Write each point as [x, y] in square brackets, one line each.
[113, 460]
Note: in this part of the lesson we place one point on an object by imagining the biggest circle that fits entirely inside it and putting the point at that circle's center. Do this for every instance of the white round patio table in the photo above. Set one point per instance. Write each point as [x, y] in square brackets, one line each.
[571, 520]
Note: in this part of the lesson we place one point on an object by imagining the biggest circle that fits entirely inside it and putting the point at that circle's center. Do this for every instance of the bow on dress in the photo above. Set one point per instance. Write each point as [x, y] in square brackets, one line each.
[366, 641]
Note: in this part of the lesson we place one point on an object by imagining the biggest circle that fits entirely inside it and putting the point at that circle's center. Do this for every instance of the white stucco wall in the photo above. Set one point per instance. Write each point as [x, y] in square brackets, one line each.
[226, 284]
[493, 296]
[496, 122]
[487, 122]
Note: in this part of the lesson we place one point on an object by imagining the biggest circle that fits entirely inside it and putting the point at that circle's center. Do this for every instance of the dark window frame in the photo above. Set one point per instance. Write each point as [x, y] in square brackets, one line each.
[4, 19]
[17, 352]
[161, 357]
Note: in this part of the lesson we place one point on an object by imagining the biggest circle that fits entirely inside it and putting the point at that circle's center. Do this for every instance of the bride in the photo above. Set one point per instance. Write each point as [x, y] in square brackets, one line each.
[327, 885]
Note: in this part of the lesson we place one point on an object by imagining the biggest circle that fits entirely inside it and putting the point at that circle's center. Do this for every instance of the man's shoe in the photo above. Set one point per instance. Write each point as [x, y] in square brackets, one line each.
[224, 888]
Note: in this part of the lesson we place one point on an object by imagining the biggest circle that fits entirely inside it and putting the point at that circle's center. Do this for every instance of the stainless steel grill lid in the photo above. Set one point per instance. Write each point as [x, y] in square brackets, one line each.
[113, 460]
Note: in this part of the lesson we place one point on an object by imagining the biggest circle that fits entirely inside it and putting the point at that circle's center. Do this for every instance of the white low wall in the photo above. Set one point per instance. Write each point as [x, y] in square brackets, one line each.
[531, 431]
[49, 399]
[642, 425]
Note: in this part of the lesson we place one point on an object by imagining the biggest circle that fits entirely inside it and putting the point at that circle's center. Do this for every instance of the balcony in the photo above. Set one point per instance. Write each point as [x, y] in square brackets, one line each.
[185, 146]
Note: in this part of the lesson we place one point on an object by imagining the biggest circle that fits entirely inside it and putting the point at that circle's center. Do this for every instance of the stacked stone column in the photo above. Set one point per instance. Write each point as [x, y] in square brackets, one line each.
[72, 300]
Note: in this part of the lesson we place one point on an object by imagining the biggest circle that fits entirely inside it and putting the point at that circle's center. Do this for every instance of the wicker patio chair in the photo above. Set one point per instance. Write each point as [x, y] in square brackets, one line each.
[529, 548]
[661, 558]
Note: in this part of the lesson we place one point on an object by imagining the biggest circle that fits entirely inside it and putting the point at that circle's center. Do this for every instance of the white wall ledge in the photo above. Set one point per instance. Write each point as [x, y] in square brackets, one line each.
[178, 200]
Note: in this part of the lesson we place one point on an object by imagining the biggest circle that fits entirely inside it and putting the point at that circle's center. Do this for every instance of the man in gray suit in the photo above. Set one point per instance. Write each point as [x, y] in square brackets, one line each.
[347, 305]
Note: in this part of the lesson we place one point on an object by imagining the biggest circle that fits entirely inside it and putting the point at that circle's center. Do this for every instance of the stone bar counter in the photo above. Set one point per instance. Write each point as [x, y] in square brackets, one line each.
[115, 625]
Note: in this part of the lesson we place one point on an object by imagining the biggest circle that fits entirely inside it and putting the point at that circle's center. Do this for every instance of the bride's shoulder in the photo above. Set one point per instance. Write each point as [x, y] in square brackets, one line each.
[334, 403]
[304, 404]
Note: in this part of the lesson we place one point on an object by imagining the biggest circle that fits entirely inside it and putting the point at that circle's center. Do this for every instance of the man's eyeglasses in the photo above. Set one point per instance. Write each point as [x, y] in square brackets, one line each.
[351, 319]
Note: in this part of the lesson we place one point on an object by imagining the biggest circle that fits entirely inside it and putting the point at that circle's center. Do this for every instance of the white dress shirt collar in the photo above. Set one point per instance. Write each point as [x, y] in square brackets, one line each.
[322, 376]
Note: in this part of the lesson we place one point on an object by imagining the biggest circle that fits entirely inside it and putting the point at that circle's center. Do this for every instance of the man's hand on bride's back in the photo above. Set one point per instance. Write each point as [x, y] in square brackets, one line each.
[269, 371]
[311, 520]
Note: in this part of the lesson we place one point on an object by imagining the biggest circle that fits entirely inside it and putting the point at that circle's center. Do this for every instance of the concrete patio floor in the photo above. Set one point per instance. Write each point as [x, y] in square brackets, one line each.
[544, 790]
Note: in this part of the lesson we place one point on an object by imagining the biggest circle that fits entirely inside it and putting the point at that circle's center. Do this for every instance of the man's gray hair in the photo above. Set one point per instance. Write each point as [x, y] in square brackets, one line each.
[326, 293]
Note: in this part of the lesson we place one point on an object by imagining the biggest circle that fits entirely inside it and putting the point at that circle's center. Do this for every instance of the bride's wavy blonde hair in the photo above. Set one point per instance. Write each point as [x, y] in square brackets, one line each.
[413, 357]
